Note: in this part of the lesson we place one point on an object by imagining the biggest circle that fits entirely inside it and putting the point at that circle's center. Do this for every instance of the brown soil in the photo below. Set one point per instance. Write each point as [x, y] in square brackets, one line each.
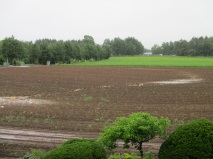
[84, 99]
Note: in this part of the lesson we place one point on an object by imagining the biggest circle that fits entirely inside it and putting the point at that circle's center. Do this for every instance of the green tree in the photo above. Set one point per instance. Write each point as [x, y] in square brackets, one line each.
[58, 52]
[181, 48]
[12, 50]
[72, 51]
[34, 54]
[88, 40]
[69, 52]
[135, 130]
[202, 46]
[156, 49]
[1, 56]
[192, 140]
[106, 52]
[128, 46]
[45, 55]
[90, 51]
[192, 52]
[107, 49]
[77, 51]
[193, 47]
[1, 59]
[118, 46]
[134, 47]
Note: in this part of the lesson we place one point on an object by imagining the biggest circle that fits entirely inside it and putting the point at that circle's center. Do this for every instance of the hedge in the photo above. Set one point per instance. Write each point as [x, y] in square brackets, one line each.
[193, 140]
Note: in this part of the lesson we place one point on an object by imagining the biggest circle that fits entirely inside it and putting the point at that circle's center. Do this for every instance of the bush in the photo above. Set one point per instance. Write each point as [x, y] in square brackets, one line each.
[124, 156]
[19, 63]
[35, 154]
[78, 149]
[193, 140]
[131, 156]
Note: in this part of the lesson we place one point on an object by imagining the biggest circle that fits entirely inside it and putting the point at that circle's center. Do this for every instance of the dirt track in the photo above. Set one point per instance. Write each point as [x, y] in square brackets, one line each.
[33, 139]
[51, 139]
[85, 99]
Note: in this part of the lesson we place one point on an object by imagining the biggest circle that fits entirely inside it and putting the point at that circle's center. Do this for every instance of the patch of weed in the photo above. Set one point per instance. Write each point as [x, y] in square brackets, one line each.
[104, 99]
[88, 98]
[11, 118]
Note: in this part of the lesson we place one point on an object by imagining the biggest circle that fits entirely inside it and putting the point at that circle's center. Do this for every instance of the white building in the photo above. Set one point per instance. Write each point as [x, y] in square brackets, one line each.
[147, 54]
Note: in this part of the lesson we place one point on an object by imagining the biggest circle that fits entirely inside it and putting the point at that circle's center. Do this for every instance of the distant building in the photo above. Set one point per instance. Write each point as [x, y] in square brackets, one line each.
[147, 54]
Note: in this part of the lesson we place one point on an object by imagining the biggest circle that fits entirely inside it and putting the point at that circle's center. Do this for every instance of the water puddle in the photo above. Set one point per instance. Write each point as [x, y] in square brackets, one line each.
[178, 81]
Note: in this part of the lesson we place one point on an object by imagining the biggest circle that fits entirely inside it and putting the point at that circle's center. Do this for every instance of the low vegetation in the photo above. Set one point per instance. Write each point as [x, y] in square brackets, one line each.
[133, 130]
[193, 140]
[131, 156]
[71, 149]
[18, 52]
[107, 93]
[165, 61]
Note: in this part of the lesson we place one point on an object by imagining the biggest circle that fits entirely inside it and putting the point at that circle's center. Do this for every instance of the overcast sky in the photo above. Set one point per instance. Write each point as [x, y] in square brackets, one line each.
[150, 21]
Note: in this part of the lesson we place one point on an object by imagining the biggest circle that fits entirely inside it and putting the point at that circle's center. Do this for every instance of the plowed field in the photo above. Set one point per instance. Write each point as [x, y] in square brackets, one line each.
[84, 99]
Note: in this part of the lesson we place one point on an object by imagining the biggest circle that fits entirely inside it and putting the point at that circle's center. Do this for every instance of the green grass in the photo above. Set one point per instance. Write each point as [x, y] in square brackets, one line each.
[88, 98]
[12, 118]
[152, 61]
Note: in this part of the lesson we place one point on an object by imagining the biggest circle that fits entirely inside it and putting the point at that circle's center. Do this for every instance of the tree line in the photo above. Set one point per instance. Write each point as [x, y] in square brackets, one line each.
[41, 51]
[202, 46]
[14, 51]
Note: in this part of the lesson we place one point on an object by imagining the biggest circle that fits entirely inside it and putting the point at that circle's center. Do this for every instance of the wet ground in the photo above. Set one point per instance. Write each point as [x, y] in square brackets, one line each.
[78, 100]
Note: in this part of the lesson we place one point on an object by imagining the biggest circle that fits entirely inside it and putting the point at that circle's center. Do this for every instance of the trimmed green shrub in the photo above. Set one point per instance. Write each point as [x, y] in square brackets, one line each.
[78, 149]
[193, 140]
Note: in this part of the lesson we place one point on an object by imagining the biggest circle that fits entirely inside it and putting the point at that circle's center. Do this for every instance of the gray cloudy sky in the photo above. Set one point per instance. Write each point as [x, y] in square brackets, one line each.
[150, 21]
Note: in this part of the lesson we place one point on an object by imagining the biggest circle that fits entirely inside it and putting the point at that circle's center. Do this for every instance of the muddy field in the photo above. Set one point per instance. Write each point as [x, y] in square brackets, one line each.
[84, 99]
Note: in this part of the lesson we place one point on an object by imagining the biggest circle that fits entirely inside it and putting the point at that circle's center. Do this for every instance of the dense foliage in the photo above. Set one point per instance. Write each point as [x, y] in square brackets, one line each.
[130, 156]
[35, 154]
[128, 46]
[41, 51]
[193, 140]
[134, 130]
[66, 52]
[12, 50]
[78, 149]
[202, 46]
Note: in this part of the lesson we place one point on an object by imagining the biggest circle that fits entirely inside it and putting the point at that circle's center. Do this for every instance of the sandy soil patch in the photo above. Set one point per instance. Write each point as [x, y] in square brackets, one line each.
[169, 82]
[22, 100]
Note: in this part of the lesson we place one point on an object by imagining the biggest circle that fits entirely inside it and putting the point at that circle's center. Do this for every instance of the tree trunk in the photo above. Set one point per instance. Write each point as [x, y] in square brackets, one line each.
[140, 149]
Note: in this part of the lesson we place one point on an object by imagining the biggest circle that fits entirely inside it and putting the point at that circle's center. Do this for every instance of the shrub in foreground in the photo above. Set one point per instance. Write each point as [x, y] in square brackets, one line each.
[131, 156]
[35, 154]
[78, 149]
[124, 156]
[193, 140]
[133, 130]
